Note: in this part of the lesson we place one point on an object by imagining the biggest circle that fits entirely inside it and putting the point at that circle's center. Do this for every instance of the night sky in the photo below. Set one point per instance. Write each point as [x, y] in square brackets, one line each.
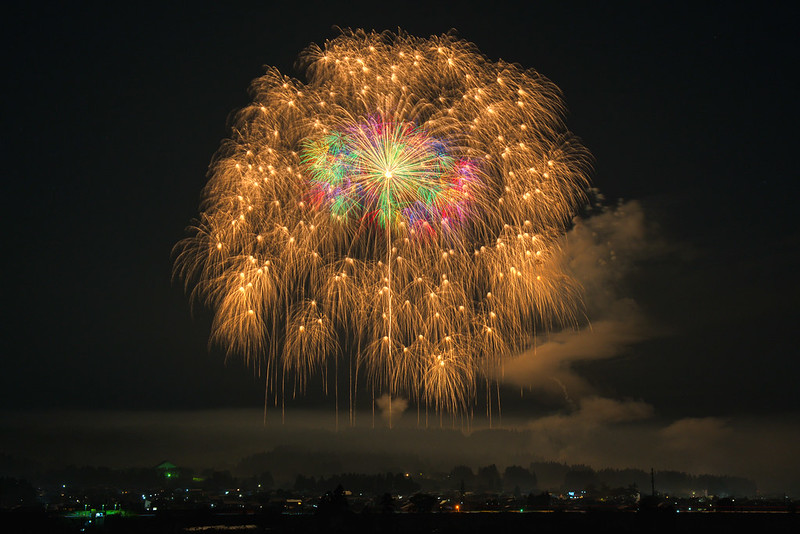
[111, 116]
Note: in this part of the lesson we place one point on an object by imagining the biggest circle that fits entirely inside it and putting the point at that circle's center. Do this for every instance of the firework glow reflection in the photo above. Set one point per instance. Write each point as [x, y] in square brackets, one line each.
[397, 220]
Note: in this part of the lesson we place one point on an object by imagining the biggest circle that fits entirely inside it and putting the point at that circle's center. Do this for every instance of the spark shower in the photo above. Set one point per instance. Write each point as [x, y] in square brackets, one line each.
[396, 219]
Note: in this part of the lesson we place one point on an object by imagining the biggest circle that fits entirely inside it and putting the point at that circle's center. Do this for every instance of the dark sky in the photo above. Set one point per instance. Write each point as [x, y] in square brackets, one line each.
[111, 115]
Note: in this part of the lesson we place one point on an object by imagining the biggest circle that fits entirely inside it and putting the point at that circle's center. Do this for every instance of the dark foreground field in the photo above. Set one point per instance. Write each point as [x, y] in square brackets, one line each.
[495, 523]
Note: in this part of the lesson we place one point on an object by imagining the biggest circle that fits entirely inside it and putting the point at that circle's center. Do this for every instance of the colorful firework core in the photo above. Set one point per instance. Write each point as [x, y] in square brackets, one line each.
[389, 173]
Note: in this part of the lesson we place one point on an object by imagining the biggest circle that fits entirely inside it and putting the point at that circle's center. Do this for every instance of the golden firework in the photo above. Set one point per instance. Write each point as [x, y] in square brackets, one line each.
[401, 212]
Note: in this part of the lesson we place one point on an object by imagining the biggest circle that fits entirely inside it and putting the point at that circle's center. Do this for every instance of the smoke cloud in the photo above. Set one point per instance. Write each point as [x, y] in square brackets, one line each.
[602, 250]
[391, 407]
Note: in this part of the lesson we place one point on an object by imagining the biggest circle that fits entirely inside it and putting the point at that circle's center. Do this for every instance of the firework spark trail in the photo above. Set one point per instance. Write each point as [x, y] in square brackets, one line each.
[406, 205]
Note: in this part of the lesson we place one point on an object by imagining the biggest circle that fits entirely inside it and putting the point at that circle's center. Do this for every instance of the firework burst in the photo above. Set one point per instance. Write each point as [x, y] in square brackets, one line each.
[399, 215]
